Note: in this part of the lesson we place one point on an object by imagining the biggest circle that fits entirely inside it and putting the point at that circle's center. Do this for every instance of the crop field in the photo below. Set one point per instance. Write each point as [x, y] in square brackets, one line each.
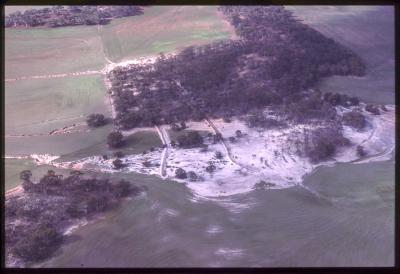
[44, 51]
[41, 105]
[373, 41]
[163, 29]
[134, 144]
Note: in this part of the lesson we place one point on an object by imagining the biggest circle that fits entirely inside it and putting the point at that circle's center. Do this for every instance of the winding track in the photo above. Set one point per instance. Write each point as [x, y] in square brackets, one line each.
[162, 132]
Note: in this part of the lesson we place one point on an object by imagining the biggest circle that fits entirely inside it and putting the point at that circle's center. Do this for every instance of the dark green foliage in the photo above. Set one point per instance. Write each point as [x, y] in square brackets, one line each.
[190, 140]
[147, 164]
[361, 152]
[321, 144]
[118, 164]
[192, 176]
[210, 168]
[55, 201]
[115, 139]
[38, 244]
[180, 173]
[25, 175]
[218, 155]
[60, 16]
[96, 120]
[337, 99]
[373, 109]
[354, 119]
[263, 184]
[277, 58]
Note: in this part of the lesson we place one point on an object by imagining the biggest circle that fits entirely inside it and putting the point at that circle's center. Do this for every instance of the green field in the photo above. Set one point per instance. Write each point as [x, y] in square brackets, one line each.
[41, 105]
[44, 51]
[163, 29]
[134, 144]
[373, 41]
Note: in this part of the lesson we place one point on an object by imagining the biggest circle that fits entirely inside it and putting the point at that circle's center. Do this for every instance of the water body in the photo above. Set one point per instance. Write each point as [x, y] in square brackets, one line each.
[343, 215]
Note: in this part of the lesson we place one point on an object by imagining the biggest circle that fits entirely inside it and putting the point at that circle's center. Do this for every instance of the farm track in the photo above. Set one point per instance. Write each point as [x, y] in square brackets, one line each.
[226, 146]
[167, 142]
[60, 131]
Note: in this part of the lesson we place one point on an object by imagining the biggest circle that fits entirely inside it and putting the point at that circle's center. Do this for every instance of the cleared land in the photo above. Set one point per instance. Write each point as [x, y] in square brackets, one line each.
[43, 51]
[163, 29]
[42, 105]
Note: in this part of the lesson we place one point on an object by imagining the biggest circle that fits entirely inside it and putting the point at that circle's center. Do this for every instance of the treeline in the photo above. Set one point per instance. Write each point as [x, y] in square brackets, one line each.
[60, 16]
[276, 60]
[35, 221]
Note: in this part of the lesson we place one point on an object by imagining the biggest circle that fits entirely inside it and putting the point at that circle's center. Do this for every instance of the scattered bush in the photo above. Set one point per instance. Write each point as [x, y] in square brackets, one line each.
[373, 109]
[361, 152]
[117, 163]
[96, 120]
[180, 173]
[218, 155]
[192, 176]
[210, 168]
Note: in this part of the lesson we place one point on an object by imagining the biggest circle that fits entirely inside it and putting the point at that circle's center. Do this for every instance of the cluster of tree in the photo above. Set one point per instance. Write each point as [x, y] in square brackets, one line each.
[354, 119]
[60, 16]
[277, 59]
[190, 139]
[344, 100]
[321, 144]
[48, 206]
[373, 109]
[257, 118]
[96, 120]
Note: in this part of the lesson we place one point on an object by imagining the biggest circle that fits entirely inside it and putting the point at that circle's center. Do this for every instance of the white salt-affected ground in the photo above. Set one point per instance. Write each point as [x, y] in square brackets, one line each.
[267, 155]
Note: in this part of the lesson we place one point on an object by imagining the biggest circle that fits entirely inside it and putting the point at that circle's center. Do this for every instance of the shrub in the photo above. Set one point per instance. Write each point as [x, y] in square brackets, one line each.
[180, 173]
[373, 109]
[361, 152]
[192, 176]
[118, 164]
[218, 155]
[210, 168]
[115, 139]
[354, 119]
[96, 120]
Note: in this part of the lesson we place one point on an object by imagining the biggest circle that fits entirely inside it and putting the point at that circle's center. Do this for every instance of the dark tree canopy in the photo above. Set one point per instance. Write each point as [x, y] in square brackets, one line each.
[354, 119]
[115, 139]
[275, 60]
[180, 173]
[96, 120]
[51, 205]
[60, 16]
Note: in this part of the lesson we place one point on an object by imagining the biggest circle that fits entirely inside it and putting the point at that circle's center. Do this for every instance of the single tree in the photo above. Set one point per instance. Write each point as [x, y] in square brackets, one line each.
[115, 139]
